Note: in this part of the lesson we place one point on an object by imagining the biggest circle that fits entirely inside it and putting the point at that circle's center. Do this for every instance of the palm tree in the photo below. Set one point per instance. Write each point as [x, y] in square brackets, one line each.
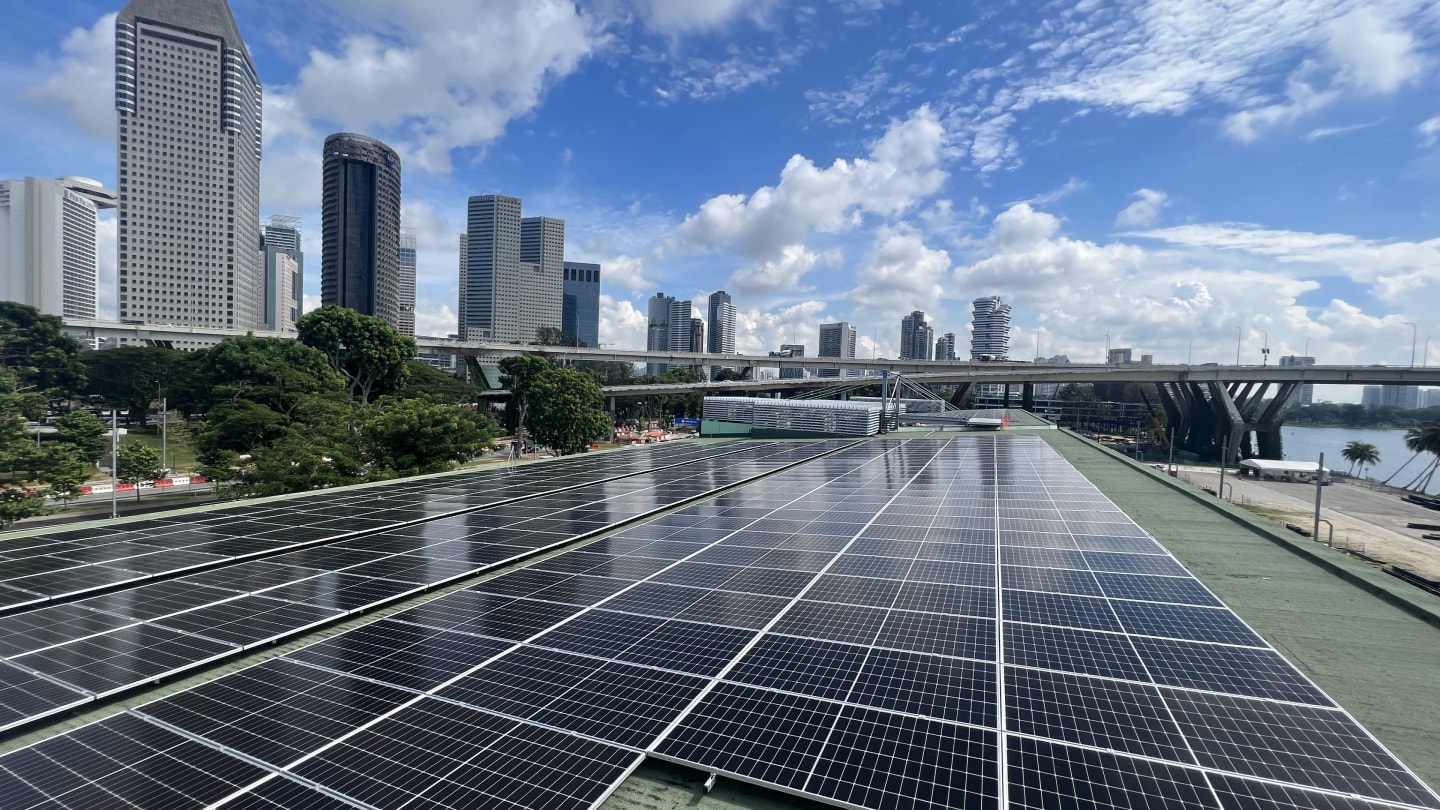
[1362, 453]
[1415, 443]
[1424, 438]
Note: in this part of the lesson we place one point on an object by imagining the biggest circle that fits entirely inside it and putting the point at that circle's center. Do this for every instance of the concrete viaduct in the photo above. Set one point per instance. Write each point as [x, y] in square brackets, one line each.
[1209, 406]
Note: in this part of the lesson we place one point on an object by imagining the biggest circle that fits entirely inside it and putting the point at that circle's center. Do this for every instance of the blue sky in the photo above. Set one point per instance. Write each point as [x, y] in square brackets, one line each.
[1164, 172]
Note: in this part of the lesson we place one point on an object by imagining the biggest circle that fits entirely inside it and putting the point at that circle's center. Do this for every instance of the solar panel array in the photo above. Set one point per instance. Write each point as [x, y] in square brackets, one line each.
[63, 564]
[899, 624]
[60, 656]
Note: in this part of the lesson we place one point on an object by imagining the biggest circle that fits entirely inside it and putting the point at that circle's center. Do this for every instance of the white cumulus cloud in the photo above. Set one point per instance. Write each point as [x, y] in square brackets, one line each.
[1144, 211]
[782, 273]
[902, 168]
[622, 326]
[411, 72]
[82, 78]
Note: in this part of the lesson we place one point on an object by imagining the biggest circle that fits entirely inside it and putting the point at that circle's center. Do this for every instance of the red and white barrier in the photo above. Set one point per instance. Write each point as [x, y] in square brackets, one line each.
[173, 481]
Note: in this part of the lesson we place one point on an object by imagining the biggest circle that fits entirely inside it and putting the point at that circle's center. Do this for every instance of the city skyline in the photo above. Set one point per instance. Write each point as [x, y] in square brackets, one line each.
[1278, 201]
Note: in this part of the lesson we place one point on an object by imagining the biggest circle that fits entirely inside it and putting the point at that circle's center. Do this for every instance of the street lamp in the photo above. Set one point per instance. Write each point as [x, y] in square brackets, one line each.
[164, 429]
[1265, 349]
[1107, 348]
[1425, 358]
[1412, 343]
[1307, 347]
[1237, 345]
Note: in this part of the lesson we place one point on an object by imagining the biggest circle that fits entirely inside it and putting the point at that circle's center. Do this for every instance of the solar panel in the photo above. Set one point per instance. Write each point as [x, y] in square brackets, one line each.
[106, 556]
[96, 646]
[850, 690]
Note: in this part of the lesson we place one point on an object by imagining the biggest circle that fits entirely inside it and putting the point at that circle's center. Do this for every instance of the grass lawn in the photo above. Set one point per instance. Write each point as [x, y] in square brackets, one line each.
[181, 451]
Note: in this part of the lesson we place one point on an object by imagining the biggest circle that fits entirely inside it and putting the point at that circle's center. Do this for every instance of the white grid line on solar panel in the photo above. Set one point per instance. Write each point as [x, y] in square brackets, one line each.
[435, 689]
[927, 457]
[1282, 681]
[358, 564]
[109, 574]
[1089, 772]
[67, 657]
[91, 575]
[1099, 497]
[103, 768]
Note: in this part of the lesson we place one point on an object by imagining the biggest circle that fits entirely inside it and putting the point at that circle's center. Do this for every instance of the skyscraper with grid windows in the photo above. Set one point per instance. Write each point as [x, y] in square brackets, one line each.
[188, 137]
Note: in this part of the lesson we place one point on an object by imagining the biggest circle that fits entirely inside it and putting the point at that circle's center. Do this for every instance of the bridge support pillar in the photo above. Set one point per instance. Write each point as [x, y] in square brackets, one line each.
[1027, 396]
[957, 399]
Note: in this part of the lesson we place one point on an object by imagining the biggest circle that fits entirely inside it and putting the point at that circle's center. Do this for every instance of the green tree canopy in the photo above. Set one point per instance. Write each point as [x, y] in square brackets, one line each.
[415, 436]
[85, 432]
[17, 503]
[1362, 453]
[553, 336]
[138, 462]
[424, 381]
[132, 377]
[567, 410]
[64, 471]
[37, 350]
[371, 355]
[272, 372]
[520, 375]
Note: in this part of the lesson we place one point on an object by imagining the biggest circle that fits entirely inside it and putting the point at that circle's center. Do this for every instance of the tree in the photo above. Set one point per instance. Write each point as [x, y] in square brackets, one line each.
[415, 436]
[728, 375]
[239, 427]
[64, 472]
[276, 373]
[1424, 438]
[1416, 441]
[35, 347]
[424, 381]
[18, 503]
[138, 462]
[519, 375]
[567, 410]
[553, 336]
[1362, 453]
[371, 355]
[132, 377]
[609, 372]
[84, 432]
[1074, 392]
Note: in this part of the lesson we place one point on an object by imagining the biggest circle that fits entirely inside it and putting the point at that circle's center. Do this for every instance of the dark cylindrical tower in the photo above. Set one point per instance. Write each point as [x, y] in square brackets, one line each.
[360, 258]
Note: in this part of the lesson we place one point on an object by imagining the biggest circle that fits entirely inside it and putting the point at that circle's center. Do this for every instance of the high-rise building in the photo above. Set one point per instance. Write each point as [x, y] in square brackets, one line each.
[682, 330]
[48, 251]
[284, 274]
[492, 270]
[916, 337]
[1306, 395]
[697, 337]
[1402, 397]
[514, 272]
[836, 340]
[721, 323]
[188, 133]
[945, 347]
[542, 266]
[461, 307]
[360, 227]
[406, 308]
[657, 330]
[580, 307]
[990, 328]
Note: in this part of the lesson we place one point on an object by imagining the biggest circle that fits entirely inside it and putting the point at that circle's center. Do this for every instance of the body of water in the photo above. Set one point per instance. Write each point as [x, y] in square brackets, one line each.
[1307, 443]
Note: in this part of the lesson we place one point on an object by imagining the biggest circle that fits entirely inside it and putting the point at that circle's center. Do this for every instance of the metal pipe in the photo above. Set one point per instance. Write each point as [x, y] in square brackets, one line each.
[114, 462]
[1319, 493]
[1224, 454]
